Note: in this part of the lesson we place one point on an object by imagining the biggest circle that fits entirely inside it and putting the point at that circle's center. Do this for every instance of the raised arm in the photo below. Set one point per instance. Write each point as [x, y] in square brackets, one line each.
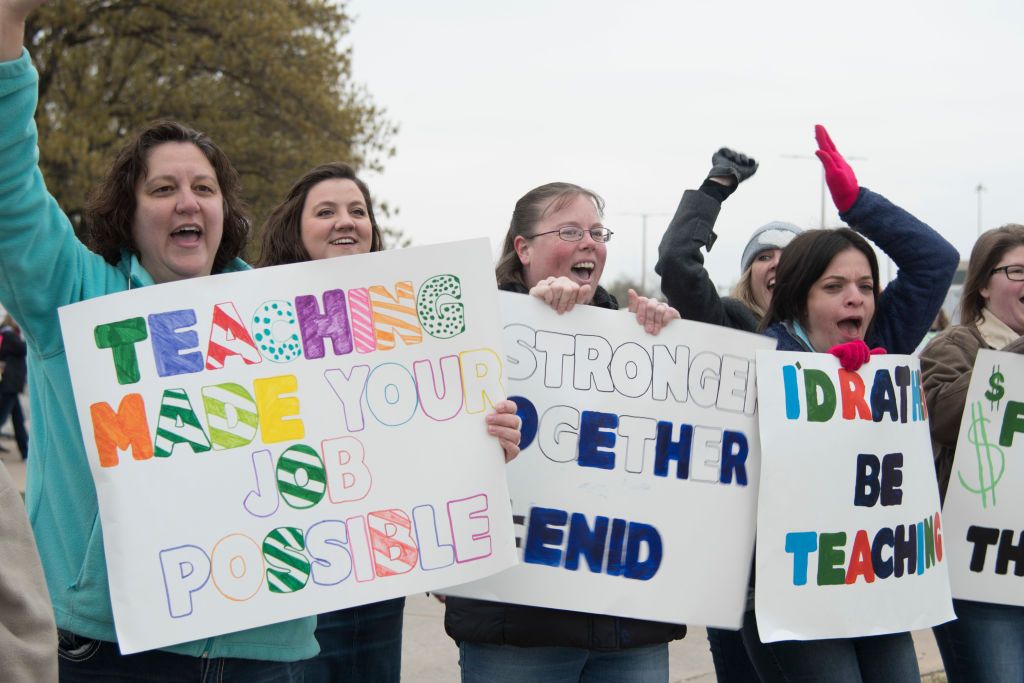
[925, 261]
[13, 14]
[684, 280]
[42, 263]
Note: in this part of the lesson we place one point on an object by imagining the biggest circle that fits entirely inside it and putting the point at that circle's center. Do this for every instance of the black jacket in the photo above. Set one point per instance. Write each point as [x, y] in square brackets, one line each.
[685, 282]
[497, 623]
[12, 353]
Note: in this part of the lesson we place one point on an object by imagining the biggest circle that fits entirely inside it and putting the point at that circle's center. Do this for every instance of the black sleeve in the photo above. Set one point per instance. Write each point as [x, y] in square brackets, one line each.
[684, 280]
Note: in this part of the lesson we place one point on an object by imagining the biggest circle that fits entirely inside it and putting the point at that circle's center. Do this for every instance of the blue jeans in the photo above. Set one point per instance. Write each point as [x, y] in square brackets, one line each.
[359, 644]
[884, 659]
[482, 663]
[985, 643]
[82, 659]
[732, 664]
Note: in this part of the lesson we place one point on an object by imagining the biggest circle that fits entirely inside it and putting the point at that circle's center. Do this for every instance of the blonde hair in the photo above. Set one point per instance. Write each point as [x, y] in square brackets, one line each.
[743, 291]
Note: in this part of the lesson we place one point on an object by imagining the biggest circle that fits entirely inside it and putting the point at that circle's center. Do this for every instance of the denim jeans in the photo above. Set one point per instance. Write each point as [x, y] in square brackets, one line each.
[481, 663]
[359, 644]
[984, 643]
[889, 658]
[729, 654]
[82, 659]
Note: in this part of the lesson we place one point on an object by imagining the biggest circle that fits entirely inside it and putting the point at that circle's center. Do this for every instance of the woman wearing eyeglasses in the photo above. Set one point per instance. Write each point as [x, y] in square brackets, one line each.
[555, 250]
[986, 641]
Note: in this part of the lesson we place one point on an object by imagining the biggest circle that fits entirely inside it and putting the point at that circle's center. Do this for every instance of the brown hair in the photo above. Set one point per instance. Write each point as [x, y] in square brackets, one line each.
[530, 209]
[989, 250]
[110, 208]
[803, 262]
[282, 232]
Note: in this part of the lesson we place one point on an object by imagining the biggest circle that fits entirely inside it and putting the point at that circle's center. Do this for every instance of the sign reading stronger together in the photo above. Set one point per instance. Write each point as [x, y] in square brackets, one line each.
[278, 443]
[635, 490]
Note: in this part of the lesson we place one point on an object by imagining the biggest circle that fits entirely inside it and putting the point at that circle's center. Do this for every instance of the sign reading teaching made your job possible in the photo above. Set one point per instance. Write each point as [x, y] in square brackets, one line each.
[850, 540]
[984, 508]
[635, 491]
[278, 443]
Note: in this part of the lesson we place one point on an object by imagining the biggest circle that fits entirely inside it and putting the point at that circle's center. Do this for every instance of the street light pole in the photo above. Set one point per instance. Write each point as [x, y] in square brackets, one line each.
[823, 195]
[643, 243]
[979, 189]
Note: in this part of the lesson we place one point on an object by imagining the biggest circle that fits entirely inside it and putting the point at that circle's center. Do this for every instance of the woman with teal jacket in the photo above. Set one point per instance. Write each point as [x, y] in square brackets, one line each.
[167, 210]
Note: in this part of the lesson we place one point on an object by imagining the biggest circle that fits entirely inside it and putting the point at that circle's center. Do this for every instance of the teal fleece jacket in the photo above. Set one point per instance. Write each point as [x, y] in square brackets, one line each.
[44, 266]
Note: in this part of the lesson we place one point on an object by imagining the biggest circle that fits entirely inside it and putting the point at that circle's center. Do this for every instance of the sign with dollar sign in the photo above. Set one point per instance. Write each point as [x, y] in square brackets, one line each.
[983, 513]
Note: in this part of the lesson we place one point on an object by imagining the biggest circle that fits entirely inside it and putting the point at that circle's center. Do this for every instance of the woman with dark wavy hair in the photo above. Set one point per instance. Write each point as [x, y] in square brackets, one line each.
[168, 209]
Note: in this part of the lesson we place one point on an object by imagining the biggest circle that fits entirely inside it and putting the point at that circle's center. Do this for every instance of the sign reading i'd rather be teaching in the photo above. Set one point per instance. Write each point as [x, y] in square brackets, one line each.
[635, 490]
[277, 443]
[850, 541]
[984, 509]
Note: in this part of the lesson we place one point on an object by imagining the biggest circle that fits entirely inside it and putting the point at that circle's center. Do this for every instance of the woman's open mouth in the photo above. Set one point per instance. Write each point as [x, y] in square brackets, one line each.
[851, 327]
[584, 270]
[187, 235]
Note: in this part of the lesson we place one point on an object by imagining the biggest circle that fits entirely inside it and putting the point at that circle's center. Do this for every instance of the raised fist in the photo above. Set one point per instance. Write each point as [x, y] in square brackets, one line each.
[728, 163]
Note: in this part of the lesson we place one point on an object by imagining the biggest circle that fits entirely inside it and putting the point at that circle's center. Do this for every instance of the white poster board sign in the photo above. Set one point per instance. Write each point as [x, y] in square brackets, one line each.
[278, 443]
[635, 490]
[849, 533]
[984, 508]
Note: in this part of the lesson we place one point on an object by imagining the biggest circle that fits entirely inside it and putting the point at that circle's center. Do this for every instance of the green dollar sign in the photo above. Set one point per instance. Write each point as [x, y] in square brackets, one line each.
[990, 459]
[995, 383]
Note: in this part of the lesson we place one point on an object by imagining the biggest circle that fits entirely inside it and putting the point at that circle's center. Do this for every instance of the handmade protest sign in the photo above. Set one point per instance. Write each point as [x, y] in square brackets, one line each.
[849, 533]
[984, 508]
[634, 493]
[283, 442]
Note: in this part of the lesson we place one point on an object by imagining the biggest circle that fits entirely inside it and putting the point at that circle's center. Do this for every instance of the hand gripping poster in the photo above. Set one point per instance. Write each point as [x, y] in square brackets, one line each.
[635, 491]
[287, 441]
[984, 508]
[850, 539]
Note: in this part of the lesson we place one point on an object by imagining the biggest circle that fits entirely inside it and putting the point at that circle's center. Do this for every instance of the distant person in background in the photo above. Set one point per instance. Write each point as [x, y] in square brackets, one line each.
[12, 381]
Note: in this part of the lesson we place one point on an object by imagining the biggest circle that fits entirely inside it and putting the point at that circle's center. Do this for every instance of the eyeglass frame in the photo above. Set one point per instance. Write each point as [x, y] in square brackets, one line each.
[1006, 271]
[573, 227]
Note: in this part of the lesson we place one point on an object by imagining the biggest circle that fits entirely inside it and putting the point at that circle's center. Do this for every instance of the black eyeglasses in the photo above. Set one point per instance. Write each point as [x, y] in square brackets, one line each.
[571, 233]
[1012, 272]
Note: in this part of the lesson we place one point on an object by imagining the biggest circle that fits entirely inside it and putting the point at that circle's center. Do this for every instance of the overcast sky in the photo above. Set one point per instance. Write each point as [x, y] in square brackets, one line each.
[631, 99]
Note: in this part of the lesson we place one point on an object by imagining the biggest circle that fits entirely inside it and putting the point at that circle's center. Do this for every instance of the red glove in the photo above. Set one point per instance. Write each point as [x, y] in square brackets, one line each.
[839, 177]
[854, 354]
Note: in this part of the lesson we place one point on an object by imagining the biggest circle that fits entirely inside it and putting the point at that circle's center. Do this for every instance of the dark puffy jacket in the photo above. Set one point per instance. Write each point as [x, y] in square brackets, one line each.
[926, 264]
[497, 623]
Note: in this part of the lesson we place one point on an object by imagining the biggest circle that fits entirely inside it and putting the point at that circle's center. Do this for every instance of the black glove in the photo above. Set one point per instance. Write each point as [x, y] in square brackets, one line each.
[726, 162]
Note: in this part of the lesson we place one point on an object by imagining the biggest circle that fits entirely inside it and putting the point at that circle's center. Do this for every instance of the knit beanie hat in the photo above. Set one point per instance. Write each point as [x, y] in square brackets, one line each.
[775, 235]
